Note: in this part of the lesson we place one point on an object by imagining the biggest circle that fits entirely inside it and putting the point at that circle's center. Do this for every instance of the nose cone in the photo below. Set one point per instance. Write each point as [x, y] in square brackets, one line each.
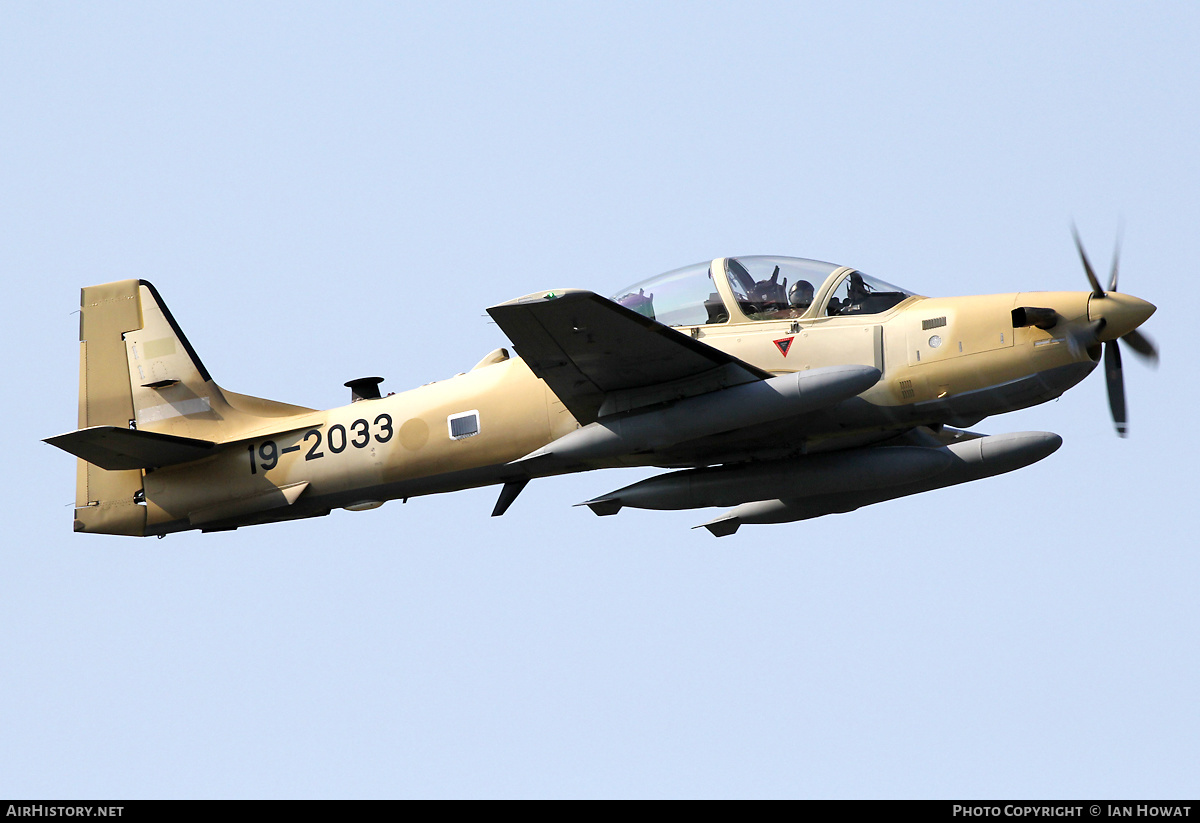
[1121, 313]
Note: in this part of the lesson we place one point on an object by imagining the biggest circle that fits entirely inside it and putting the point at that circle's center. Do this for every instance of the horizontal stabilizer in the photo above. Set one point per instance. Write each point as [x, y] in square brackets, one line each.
[117, 449]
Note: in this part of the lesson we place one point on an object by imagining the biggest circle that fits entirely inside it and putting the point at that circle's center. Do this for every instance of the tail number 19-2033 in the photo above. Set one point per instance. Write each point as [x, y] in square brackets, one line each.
[266, 455]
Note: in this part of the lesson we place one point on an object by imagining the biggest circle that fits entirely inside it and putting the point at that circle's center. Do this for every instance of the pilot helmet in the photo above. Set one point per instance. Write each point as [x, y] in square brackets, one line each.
[800, 295]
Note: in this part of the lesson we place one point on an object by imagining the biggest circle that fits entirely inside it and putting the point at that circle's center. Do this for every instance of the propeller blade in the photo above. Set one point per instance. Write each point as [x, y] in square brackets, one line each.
[1080, 335]
[1087, 267]
[1142, 346]
[1116, 387]
[1112, 279]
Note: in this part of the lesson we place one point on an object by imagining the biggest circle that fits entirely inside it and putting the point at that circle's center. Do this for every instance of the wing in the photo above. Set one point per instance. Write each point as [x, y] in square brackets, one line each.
[599, 357]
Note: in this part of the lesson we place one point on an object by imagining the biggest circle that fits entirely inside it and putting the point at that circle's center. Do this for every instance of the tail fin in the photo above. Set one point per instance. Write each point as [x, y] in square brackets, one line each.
[137, 370]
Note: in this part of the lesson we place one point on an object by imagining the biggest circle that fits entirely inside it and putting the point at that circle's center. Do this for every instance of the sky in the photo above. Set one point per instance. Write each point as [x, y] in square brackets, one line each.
[323, 191]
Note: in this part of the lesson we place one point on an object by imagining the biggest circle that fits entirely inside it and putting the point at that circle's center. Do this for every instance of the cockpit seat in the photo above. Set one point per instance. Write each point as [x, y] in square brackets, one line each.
[715, 307]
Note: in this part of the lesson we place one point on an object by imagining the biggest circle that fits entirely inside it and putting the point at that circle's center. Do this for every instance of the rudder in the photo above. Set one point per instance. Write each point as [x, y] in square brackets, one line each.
[107, 502]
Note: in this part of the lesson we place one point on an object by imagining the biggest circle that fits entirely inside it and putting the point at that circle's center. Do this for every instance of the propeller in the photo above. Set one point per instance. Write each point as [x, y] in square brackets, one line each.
[1138, 342]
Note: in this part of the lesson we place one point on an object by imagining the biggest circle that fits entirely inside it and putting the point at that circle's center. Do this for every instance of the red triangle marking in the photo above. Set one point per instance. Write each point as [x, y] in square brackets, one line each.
[784, 344]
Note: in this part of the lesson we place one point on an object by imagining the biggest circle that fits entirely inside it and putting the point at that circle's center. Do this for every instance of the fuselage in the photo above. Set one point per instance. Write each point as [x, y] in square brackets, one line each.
[402, 445]
[942, 361]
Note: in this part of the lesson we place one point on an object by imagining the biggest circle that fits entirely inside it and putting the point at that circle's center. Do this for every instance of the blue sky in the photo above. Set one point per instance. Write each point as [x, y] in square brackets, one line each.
[323, 192]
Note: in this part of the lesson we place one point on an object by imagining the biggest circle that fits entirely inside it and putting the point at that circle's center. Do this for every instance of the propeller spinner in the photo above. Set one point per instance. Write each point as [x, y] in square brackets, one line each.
[1116, 317]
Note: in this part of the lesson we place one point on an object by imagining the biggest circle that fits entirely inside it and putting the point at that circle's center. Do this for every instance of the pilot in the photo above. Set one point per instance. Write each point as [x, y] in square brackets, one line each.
[800, 297]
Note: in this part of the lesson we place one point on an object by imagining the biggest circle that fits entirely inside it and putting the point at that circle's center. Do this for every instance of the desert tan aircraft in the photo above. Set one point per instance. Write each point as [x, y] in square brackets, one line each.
[780, 387]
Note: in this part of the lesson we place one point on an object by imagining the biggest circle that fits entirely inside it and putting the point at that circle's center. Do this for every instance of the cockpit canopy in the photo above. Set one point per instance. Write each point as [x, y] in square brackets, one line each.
[683, 297]
[759, 288]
